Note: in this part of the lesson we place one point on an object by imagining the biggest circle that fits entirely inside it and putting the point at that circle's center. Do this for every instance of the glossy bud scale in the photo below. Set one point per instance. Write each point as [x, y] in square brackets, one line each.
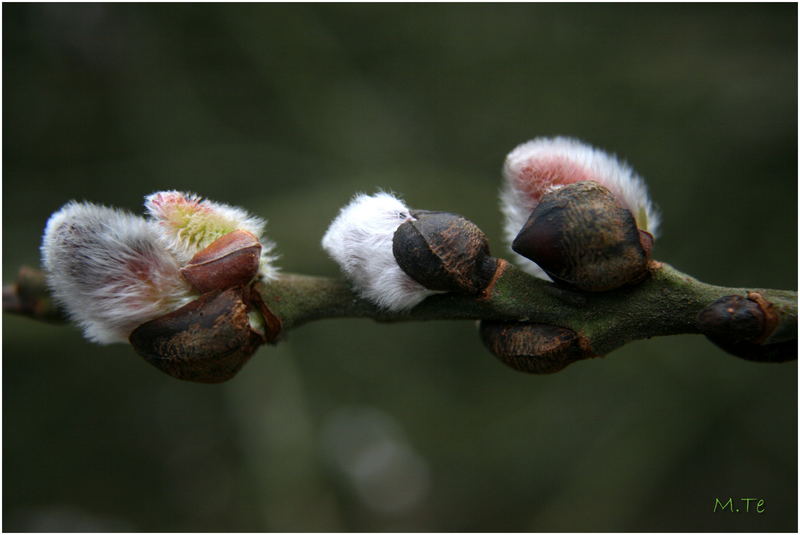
[207, 340]
[231, 260]
[444, 252]
[583, 238]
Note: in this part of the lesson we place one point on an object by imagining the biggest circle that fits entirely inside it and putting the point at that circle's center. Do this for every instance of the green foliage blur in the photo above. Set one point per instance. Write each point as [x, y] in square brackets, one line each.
[350, 425]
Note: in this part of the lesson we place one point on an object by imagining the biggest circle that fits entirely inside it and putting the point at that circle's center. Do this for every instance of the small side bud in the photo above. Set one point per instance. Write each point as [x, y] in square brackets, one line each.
[543, 165]
[360, 241]
[231, 260]
[533, 347]
[206, 341]
[740, 325]
[584, 239]
[444, 252]
[109, 271]
[734, 318]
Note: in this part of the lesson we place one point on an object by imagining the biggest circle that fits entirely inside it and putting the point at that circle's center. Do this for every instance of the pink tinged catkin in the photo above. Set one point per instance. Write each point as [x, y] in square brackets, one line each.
[187, 223]
[360, 241]
[109, 271]
[542, 165]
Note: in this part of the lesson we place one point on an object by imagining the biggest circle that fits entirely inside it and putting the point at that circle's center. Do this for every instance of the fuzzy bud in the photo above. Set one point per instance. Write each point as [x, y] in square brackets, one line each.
[109, 271]
[189, 224]
[444, 251]
[543, 165]
[360, 241]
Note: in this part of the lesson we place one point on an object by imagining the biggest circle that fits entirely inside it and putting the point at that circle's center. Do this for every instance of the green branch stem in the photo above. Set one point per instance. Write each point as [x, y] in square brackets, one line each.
[667, 302]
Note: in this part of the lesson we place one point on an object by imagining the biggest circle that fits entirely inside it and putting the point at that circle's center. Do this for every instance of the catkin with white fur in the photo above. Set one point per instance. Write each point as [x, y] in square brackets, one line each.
[109, 271]
[360, 241]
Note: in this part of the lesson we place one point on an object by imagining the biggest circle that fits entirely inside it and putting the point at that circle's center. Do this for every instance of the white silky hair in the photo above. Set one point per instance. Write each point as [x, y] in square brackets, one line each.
[360, 241]
[600, 166]
[109, 271]
[208, 213]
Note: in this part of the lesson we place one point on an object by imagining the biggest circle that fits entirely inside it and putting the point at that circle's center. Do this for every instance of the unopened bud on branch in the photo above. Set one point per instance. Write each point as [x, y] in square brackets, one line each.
[742, 325]
[533, 347]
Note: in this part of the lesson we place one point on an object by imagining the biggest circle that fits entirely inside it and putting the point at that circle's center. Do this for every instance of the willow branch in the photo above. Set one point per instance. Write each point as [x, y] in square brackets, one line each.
[667, 302]
[29, 296]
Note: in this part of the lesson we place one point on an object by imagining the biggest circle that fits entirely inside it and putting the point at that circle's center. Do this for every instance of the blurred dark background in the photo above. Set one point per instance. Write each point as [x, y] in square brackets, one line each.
[287, 110]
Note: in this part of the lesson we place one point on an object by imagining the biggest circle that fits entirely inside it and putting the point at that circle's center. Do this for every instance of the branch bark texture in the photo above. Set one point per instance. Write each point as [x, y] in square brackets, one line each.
[667, 302]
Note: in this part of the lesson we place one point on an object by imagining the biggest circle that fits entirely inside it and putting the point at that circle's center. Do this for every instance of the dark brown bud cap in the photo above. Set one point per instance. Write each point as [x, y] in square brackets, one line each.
[533, 347]
[445, 252]
[739, 325]
[229, 261]
[207, 340]
[584, 239]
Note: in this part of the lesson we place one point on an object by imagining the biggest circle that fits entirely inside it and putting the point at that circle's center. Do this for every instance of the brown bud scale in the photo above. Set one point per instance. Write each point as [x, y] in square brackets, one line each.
[444, 252]
[533, 347]
[739, 325]
[584, 239]
[229, 261]
[733, 318]
[207, 340]
[770, 316]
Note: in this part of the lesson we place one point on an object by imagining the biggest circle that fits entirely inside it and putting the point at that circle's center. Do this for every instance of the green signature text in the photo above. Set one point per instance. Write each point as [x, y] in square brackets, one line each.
[742, 505]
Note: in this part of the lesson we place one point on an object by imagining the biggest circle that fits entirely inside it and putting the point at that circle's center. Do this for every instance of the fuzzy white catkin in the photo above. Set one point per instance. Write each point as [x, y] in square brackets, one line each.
[187, 223]
[109, 271]
[360, 241]
[546, 164]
